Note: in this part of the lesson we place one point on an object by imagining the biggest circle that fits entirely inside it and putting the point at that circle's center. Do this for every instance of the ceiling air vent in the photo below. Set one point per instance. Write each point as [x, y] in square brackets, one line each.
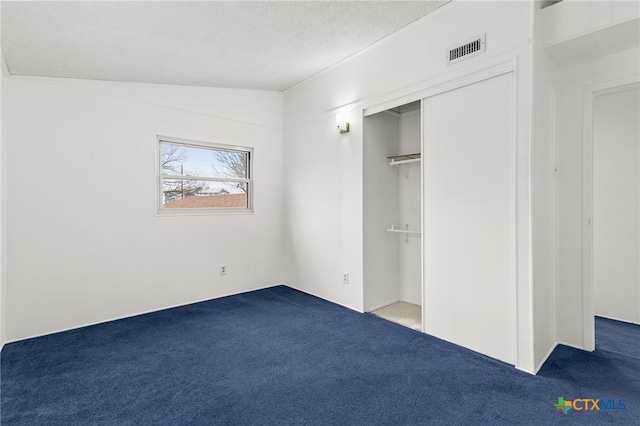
[466, 50]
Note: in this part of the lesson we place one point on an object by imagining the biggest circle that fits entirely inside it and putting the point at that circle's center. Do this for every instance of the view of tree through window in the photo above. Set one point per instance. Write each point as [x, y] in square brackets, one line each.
[203, 176]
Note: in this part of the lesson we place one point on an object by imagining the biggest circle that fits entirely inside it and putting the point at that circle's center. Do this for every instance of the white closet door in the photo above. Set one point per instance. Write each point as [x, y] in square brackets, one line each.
[469, 223]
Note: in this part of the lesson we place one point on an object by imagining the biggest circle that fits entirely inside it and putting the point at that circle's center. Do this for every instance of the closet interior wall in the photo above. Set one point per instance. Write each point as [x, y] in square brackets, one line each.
[409, 203]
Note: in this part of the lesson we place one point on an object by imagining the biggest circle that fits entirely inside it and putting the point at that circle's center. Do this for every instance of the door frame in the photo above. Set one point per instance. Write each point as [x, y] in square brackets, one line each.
[589, 93]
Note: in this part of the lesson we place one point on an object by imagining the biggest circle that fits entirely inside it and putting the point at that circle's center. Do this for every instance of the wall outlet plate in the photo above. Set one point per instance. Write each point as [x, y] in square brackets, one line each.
[223, 269]
[345, 278]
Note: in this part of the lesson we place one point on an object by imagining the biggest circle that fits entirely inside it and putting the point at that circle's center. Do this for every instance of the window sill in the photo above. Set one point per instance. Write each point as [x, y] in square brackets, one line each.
[202, 212]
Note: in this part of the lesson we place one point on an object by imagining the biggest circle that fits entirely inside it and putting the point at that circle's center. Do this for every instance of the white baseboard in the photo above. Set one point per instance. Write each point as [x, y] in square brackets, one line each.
[413, 302]
[321, 297]
[387, 303]
[524, 371]
[544, 359]
[137, 314]
[618, 319]
[571, 345]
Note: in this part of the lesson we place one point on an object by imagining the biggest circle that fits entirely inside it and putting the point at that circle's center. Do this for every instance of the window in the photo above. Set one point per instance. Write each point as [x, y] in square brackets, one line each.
[200, 177]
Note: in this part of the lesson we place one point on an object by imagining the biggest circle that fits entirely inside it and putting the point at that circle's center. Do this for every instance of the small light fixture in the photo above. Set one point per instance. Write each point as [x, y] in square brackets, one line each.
[343, 124]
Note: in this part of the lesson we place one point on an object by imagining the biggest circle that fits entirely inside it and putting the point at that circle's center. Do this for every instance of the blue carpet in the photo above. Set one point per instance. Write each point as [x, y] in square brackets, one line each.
[619, 337]
[279, 356]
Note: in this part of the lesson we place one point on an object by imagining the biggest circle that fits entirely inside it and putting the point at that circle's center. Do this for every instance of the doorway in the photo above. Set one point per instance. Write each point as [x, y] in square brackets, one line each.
[392, 215]
[616, 204]
[611, 230]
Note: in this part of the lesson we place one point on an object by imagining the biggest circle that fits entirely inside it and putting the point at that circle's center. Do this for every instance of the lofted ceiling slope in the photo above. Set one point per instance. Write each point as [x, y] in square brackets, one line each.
[269, 45]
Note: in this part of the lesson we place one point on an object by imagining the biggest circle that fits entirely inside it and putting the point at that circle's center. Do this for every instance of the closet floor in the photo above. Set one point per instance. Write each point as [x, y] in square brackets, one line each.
[402, 313]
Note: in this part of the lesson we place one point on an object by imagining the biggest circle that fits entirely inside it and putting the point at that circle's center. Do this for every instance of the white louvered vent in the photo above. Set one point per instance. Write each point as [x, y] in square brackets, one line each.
[466, 50]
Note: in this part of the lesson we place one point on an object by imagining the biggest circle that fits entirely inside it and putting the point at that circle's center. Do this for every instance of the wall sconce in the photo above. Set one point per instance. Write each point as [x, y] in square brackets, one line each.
[343, 124]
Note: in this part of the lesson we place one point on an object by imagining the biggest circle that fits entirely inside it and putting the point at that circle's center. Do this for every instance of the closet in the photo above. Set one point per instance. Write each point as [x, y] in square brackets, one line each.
[439, 215]
[392, 215]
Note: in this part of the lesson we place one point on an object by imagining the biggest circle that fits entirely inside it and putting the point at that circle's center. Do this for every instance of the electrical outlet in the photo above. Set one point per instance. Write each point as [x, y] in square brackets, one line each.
[223, 269]
[345, 278]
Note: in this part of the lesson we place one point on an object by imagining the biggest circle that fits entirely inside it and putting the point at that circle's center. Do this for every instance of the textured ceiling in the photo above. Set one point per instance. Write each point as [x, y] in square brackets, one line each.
[268, 45]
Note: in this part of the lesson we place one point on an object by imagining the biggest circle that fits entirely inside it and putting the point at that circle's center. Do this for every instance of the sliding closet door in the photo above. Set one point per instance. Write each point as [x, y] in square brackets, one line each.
[469, 223]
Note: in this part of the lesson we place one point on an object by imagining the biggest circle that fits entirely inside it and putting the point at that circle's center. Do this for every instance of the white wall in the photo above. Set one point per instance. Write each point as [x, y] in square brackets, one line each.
[381, 210]
[616, 205]
[572, 19]
[83, 242]
[323, 191]
[573, 80]
[320, 161]
[543, 195]
[3, 213]
[545, 80]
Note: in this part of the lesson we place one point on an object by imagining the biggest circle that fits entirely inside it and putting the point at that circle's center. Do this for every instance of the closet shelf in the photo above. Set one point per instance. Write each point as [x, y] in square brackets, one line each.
[396, 160]
[402, 231]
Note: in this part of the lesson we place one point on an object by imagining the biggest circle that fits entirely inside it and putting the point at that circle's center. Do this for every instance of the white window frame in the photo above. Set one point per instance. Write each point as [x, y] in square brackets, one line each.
[160, 177]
